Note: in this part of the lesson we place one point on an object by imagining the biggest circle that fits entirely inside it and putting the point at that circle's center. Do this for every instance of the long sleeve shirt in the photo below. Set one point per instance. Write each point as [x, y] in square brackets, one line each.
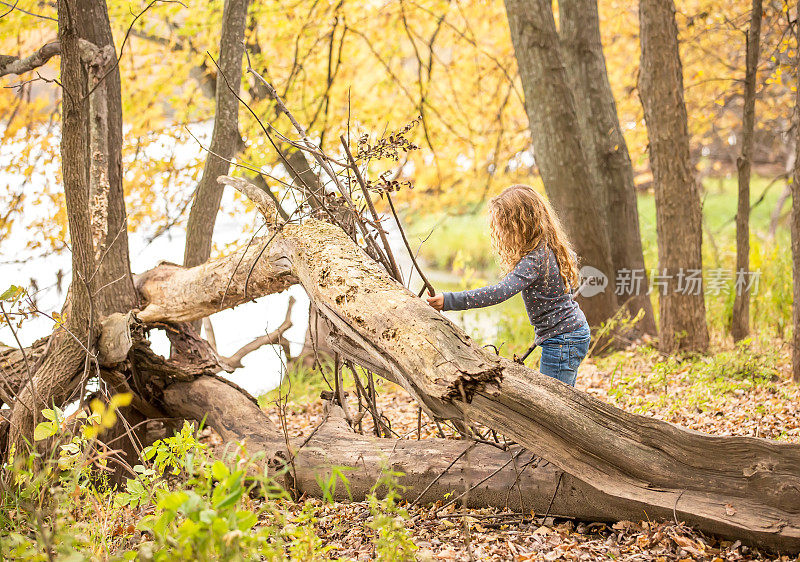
[551, 309]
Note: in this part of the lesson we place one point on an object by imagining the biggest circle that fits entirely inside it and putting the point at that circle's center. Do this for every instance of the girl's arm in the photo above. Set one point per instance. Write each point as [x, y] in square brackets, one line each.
[520, 277]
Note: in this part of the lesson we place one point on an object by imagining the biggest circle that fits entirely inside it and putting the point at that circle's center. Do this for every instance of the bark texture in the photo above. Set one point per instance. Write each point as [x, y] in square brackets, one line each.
[796, 229]
[512, 479]
[624, 465]
[678, 209]
[605, 149]
[556, 135]
[225, 139]
[173, 293]
[14, 364]
[10, 64]
[61, 366]
[115, 284]
[92, 170]
[112, 275]
[740, 322]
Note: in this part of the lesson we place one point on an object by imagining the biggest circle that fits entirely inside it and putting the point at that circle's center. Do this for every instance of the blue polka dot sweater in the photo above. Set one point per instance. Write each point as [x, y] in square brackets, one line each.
[551, 309]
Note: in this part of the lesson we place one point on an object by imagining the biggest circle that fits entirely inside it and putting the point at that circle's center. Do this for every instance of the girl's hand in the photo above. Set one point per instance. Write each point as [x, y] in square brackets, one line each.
[437, 301]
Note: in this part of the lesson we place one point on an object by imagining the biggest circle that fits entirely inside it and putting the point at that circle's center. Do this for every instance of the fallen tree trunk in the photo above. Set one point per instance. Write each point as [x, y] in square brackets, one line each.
[176, 294]
[743, 487]
[737, 487]
[734, 486]
[14, 367]
[432, 468]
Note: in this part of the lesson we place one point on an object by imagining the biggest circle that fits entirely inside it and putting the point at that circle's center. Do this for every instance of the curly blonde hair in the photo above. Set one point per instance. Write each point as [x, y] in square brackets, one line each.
[521, 220]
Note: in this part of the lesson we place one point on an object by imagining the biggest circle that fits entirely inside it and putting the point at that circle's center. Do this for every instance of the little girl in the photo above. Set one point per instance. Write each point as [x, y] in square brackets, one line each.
[534, 249]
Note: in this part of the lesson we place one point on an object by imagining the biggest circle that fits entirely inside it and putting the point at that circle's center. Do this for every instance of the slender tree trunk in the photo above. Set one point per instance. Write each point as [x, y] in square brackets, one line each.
[678, 209]
[740, 323]
[62, 364]
[116, 293]
[225, 139]
[556, 138]
[796, 226]
[605, 149]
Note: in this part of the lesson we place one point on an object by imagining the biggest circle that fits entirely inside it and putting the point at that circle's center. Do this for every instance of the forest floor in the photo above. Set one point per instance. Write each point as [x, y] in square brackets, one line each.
[738, 391]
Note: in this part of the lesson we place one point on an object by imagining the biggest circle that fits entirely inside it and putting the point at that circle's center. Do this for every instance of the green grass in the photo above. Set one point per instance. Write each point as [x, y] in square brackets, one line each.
[645, 381]
[455, 240]
[301, 384]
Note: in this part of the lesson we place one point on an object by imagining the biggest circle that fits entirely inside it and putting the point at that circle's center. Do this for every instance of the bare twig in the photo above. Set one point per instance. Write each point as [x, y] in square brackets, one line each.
[381, 232]
[555, 492]
[369, 397]
[273, 338]
[14, 6]
[125, 40]
[454, 500]
[339, 387]
[435, 480]
[426, 284]
[28, 369]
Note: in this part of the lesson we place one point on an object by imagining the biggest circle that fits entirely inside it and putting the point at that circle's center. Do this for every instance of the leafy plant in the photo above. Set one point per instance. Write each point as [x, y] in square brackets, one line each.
[393, 542]
[305, 544]
[211, 516]
[328, 485]
[173, 453]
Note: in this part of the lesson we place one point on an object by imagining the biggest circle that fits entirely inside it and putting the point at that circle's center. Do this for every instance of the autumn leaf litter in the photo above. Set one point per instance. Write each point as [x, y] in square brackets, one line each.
[767, 409]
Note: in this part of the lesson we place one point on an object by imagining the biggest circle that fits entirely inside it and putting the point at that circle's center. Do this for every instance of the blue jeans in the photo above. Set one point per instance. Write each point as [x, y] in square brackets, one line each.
[562, 354]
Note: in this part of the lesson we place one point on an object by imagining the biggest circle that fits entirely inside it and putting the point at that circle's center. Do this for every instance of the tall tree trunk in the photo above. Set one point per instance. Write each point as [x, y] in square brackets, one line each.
[556, 139]
[740, 323]
[796, 225]
[605, 149]
[62, 364]
[225, 139]
[116, 292]
[678, 210]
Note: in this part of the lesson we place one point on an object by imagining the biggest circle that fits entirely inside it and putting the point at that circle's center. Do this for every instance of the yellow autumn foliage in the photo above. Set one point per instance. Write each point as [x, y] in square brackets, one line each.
[366, 67]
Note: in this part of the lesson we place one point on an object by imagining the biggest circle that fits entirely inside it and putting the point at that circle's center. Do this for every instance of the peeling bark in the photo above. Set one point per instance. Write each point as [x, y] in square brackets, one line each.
[10, 64]
[620, 465]
[62, 365]
[172, 293]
